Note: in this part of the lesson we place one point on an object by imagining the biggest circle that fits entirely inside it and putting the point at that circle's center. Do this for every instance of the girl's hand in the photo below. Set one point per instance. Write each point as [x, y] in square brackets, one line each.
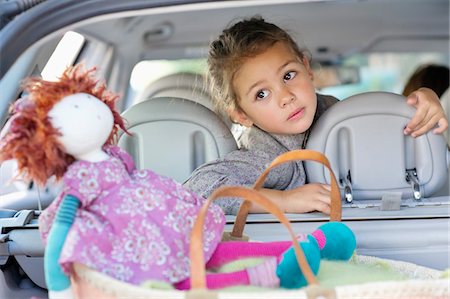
[307, 198]
[429, 113]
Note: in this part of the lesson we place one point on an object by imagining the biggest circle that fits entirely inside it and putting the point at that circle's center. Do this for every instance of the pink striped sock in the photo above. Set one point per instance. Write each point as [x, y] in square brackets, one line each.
[264, 274]
[320, 238]
[301, 237]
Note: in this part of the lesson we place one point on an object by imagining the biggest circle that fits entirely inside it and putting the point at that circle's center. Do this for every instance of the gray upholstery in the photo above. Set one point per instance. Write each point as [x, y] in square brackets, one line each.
[363, 136]
[180, 85]
[186, 85]
[173, 136]
[445, 101]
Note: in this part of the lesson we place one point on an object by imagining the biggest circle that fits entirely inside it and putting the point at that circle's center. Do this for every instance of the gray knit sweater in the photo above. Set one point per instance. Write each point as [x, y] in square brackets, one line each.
[242, 167]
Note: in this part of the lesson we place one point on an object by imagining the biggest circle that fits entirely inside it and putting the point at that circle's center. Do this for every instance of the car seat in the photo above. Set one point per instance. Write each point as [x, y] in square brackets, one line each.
[190, 86]
[363, 138]
[186, 85]
[445, 101]
[173, 136]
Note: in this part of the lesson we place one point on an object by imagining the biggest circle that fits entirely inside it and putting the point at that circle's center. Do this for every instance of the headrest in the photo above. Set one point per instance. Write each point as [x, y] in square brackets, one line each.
[173, 136]
[445, 101]
[363, 138]
[186, 85]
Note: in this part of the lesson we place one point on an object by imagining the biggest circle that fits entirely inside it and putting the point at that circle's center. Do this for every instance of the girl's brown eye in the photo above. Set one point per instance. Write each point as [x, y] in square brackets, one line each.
[289, 76]
[262, 94]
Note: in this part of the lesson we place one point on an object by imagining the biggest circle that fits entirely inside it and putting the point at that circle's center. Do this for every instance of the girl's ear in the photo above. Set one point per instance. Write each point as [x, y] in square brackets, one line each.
[239, 116]
[308, 67]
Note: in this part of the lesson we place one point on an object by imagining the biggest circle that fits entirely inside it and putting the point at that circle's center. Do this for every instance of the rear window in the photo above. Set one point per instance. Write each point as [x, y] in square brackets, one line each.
[375, 72]
[384, 72]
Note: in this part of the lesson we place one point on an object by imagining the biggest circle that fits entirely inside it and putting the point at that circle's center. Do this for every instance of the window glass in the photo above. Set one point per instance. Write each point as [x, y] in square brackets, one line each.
[375, 71]
[66, 52]
[384, 72]
[146, 72]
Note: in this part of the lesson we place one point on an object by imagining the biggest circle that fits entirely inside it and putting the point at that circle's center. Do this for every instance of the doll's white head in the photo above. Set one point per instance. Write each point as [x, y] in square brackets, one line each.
[85, 123]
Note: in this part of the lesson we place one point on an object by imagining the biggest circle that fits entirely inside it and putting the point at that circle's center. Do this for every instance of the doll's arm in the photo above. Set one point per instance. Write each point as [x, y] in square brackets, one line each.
[58, 283]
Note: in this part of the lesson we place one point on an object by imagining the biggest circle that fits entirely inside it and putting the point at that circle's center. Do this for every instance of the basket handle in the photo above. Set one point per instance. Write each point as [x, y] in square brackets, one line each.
[198, 272]
[336, 204]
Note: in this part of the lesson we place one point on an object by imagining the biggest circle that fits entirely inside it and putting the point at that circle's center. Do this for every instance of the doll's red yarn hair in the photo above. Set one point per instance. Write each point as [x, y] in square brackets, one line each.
[30, 138]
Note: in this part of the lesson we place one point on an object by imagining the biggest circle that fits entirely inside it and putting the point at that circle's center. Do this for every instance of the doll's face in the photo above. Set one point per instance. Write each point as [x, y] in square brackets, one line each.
[84, 121]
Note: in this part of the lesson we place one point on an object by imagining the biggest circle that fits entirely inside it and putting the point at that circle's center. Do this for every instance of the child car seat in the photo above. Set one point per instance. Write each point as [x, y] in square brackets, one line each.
[363, 138]
[173, 136]
[180, 85]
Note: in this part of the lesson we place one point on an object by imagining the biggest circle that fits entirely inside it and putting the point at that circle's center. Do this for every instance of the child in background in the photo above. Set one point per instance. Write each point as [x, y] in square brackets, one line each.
[437, 78]
[263, 80]
[434, 76]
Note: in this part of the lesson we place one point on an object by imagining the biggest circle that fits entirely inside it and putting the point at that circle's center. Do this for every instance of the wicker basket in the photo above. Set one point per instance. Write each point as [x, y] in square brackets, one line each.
[421, 282]
[424, 283]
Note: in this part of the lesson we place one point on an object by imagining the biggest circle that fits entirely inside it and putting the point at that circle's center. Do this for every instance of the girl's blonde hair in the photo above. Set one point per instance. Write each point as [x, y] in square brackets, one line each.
[243, 40]
[31, 139]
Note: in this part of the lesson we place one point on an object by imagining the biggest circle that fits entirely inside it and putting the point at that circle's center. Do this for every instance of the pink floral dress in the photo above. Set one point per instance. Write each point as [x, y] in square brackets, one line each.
[133, 225]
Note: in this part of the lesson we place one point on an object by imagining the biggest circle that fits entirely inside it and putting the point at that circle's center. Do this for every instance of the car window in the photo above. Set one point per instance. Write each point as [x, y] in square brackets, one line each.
[374, 71]
[66, 52]
[148, 71]
[383, 71]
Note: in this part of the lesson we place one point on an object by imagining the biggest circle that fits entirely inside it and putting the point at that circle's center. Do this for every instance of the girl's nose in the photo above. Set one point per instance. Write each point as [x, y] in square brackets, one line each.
[286, 97]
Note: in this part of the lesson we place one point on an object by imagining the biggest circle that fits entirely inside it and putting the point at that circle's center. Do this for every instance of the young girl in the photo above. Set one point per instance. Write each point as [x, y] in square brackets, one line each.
[261, 78]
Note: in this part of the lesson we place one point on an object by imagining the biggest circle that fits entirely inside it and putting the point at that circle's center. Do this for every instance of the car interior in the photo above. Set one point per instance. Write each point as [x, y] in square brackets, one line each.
[181, 84]
[175, 123]
[395, 189]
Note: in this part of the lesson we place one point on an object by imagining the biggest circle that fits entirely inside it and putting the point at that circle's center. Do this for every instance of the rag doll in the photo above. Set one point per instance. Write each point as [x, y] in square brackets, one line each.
[131, 224]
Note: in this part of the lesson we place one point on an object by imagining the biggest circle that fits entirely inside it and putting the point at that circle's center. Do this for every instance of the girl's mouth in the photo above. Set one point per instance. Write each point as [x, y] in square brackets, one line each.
[297, 114]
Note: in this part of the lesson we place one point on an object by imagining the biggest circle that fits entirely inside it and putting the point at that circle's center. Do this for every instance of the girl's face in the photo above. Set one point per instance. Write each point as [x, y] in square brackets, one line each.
[275, 92]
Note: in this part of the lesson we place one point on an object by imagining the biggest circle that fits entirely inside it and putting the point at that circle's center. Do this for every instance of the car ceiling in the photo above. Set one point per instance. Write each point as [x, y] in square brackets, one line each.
[329, 29]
